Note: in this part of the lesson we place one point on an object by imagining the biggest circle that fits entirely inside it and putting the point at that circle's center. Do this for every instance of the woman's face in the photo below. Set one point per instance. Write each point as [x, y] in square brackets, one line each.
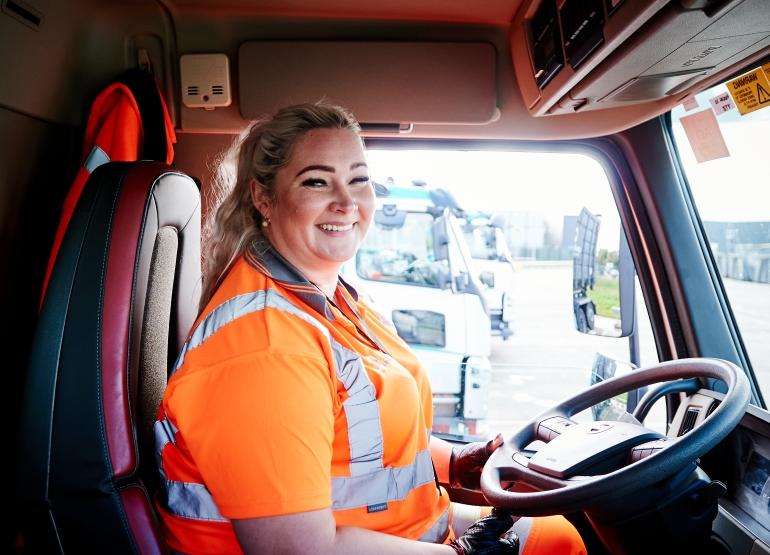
[323, 202]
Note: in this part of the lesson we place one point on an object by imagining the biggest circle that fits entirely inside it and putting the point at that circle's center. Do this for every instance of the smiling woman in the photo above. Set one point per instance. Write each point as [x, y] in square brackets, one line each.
[317, 214]
[264, 152]
[288, 373]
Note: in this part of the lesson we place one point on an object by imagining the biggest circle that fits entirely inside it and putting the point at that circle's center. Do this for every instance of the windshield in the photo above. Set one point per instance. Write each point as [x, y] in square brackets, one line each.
[482, 242]
[730, 193]
[401, 254]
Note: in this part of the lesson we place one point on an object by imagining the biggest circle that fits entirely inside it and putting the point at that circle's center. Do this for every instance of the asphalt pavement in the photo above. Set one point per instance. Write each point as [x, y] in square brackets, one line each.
[547, 360]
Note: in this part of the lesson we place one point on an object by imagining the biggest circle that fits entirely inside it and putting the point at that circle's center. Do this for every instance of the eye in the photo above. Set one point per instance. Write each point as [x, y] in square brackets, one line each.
[314, 182]
[362, 180]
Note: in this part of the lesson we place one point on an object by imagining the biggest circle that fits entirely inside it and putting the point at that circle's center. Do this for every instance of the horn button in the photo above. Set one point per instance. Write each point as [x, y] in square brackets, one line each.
[587, 448]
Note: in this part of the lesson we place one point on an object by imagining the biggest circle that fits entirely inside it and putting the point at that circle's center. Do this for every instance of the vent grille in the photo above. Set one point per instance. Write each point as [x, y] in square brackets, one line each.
[192, 90]
[217, 89]
[24, 13]
[712, 408]
[688, 423]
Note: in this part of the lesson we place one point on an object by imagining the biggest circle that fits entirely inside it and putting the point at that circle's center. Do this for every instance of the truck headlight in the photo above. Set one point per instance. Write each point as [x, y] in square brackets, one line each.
[421, 327]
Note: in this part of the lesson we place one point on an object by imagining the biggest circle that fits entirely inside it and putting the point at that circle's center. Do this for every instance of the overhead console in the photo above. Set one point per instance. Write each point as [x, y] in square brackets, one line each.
[578, 55]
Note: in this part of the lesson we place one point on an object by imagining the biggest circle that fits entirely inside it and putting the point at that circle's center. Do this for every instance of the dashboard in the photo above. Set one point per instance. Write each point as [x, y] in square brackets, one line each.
[743, 521]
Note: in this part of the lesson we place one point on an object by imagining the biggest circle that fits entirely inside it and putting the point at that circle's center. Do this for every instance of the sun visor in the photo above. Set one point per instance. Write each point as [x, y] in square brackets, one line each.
[385, 84]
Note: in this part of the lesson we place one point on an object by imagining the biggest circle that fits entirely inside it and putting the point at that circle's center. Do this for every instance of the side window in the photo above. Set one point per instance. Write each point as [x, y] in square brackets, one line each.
[515, 214]
[731, 196]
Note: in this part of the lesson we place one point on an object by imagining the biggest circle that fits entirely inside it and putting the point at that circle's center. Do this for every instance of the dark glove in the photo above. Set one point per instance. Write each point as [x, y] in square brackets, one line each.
[467, 461]
[484, 537]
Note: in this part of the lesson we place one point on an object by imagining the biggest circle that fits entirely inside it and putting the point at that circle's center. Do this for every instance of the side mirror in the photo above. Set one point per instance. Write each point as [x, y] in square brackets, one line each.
[443, 277]
[440, 236]
[461, 281]
[390, 217]
[488, 279]
[602, 282]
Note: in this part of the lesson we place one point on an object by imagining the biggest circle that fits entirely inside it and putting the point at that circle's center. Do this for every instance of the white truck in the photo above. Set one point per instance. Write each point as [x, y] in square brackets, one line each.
[493, 260]
[416, 267]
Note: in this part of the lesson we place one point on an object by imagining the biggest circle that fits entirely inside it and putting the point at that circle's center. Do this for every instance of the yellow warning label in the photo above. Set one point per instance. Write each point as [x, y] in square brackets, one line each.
[751, 91]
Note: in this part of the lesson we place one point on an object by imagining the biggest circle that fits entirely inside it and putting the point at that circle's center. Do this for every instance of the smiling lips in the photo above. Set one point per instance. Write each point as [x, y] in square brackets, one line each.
[332, 227]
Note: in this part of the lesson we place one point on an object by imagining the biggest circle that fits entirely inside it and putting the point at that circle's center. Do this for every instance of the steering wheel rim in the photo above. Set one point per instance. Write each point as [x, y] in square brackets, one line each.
[555, 495]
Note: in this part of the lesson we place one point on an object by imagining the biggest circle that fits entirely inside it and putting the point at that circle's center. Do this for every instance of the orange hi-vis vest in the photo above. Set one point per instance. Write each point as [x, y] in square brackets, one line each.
[121, 124]
[283, 402]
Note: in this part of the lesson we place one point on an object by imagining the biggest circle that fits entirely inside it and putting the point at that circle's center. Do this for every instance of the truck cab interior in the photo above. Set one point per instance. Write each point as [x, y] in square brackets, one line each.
[89, 340]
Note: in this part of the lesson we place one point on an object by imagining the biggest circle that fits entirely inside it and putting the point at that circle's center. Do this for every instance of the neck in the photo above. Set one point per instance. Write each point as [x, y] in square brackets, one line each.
[327, 287]
[323, 278]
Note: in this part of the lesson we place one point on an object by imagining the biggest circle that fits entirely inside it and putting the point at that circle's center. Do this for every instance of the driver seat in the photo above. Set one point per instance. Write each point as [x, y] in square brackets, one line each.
[123, 294]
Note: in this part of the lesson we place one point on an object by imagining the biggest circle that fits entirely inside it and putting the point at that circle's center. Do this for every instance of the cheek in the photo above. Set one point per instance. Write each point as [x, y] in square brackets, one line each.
[295, 208]
[366, 204]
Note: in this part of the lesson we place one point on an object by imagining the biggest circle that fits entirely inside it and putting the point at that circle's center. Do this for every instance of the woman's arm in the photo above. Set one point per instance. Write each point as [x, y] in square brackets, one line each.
[315, 532]
[441, 453]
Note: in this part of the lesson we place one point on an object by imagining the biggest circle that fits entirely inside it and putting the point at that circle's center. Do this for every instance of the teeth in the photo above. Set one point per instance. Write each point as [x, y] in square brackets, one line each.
[330, 227]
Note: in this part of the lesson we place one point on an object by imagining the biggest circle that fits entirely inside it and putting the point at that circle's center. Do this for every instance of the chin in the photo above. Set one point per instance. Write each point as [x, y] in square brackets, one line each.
[339, 256]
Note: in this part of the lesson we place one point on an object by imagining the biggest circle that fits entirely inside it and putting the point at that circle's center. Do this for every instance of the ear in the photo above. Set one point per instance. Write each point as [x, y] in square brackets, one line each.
[259, 198]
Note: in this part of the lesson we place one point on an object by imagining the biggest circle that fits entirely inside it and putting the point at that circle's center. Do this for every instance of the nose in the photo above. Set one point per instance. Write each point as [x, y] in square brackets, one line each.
[343, 199]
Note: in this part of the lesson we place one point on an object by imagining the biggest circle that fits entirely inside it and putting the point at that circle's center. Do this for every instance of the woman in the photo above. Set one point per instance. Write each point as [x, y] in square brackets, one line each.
[297, 421]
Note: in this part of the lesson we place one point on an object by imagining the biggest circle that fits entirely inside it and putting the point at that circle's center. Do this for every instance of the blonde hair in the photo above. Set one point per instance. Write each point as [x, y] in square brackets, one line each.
[260, 151]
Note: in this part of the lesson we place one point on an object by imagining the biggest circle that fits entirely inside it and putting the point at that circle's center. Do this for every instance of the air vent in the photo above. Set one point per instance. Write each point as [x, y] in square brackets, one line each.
[712, 408]
[217, 89]
[192, 91]
[545, 43]
[581, 23]
[688, 423]
[23, 13]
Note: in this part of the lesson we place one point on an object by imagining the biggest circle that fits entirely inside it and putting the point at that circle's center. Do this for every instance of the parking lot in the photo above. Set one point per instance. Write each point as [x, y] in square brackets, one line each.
[546, 359]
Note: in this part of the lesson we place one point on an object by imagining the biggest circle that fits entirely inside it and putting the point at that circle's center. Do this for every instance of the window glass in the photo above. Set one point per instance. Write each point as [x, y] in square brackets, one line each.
[482, 242]
[400, 252]
[731, 195]
[509, 246]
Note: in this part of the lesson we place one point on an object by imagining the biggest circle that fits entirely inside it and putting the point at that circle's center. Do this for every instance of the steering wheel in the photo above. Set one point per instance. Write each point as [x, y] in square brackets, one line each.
[637, 457]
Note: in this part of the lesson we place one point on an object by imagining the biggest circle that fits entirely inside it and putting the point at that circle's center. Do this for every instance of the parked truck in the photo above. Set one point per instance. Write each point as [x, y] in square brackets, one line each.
[584, 269]
[493, 259]
[417, 269]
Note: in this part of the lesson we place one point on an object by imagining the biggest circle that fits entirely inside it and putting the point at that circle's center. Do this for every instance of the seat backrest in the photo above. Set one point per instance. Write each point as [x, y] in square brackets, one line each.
[122, 297]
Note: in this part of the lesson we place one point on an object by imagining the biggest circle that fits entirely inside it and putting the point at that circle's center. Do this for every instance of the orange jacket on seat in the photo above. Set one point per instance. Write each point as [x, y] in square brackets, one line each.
[117, 132]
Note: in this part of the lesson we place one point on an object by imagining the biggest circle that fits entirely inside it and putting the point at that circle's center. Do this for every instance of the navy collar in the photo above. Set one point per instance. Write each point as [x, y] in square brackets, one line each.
[265, 259]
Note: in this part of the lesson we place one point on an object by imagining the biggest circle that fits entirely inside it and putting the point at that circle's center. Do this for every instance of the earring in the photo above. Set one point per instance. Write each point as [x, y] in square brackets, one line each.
[265, 222]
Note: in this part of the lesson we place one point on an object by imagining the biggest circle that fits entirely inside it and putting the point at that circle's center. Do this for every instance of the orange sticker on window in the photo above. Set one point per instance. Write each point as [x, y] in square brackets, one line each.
[751, 91]
[704, 135]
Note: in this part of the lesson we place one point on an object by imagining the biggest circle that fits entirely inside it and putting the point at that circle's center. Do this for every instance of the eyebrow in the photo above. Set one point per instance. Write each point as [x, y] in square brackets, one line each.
[328, 168]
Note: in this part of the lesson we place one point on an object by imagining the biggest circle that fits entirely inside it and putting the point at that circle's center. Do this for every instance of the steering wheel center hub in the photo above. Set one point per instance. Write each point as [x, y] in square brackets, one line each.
[578, 447]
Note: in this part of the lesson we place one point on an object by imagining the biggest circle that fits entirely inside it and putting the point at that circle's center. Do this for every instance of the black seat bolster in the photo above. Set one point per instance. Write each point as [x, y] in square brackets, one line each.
[80, 436]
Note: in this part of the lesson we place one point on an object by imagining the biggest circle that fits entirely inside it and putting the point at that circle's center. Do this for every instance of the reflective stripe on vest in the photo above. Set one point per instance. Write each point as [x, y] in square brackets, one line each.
[369, 482]
[440, 529]
[96, 158]
[165, 432]
[381, 486]
[242, 305]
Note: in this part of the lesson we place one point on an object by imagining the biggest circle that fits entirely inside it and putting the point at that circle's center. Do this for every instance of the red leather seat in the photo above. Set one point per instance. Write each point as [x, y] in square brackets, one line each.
[122, 296]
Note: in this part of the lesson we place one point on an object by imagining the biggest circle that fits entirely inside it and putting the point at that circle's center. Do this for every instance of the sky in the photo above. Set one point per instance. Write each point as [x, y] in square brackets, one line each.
[551, 184]
[736, 188]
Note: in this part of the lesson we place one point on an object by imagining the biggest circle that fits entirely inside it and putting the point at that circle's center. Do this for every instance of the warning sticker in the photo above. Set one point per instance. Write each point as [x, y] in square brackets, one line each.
[722, 103]
[751, 91]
